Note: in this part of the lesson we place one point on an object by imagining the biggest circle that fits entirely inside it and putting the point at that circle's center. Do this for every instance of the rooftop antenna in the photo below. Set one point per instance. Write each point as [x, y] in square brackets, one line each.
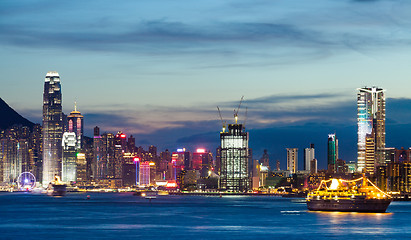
[238, 109]
[222, 121]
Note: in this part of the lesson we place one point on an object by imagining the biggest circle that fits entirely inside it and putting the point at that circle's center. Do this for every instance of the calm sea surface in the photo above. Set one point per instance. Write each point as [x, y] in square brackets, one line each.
[124, 216]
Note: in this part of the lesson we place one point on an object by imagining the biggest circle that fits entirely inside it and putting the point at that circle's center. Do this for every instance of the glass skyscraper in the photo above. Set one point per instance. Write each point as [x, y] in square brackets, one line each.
[69, 166]
[371, 128]
[332, 152]
[234, 159]
[75, 125]
[52, 127]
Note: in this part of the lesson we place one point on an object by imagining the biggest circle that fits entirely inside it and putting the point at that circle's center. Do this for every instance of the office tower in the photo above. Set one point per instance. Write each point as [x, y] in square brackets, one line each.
[234, 158]
[278, 168]
[309, 154]
[370, 153]
[332, 152]
[69, 162]
[131, 144]
[182, 158]
[371, 121]
[81, 163]
[75, 125]
[52, 127]
[165, 158]
[98, 154]
[37, 149]
[207, 160]
[107, 163]
[292, 160]
[313, 166]
[144, 173]
[120, 143]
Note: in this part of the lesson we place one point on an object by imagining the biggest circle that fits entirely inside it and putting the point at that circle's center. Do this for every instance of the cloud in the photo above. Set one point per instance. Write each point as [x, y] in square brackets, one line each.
[277, 38]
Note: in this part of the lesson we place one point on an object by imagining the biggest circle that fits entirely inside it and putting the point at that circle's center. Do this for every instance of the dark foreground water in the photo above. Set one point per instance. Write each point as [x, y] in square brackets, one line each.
[123, 216]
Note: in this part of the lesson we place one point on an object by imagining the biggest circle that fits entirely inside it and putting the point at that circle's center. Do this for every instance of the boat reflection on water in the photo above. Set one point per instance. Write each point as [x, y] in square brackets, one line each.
[57, 187]
[359, 195]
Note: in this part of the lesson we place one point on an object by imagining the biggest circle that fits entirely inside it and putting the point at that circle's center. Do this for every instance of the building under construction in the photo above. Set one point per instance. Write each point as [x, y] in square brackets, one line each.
[234, 174]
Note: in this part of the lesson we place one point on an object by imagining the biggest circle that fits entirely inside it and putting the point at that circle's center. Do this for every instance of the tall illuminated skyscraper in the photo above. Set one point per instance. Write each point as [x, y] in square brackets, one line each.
[52, 127]
[309, 155]
[75, 125]
[371, 124]
[234, 158]
[292, 160]
[332, 152]
[69, 164]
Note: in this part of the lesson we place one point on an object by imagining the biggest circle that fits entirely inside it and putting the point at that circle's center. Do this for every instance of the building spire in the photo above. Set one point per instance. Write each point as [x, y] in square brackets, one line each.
[75, 106]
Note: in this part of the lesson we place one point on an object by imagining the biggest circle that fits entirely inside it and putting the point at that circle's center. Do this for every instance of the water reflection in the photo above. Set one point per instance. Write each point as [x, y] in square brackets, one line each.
[342, 223]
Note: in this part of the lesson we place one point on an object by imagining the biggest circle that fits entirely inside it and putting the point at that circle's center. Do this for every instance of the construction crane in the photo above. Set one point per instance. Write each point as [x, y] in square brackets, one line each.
[222, 121]
[238, 109]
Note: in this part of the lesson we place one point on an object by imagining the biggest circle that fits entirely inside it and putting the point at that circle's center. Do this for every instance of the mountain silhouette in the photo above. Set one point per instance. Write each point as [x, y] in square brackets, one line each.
[9, 117]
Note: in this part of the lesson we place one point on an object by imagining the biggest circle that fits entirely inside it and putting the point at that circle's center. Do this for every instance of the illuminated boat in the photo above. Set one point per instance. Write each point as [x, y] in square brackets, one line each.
[56, 187]
[359, 195]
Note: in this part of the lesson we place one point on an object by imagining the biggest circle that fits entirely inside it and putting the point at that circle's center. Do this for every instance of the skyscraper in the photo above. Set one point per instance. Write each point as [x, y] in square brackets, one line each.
[332, 152]
[234, 158]
[371, 124]
[69, 164]
[75, 125]
[292, 160]
[98, 155]
[52, 127]
[309, 154]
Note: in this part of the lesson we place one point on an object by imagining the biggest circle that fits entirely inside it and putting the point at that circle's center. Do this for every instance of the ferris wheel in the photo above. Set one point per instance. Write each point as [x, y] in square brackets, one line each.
[26, 181]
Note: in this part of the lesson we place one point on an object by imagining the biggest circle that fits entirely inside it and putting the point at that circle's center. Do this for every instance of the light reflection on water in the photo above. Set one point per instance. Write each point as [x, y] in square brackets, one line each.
[115, 215]
[339, 223]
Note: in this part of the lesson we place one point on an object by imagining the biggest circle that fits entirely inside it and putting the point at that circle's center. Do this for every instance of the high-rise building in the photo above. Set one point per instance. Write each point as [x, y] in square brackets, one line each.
[234, 158]
[202, 158]
[144, 173]
[120, 143]
[69, 163]
[292, 160]
[309, 154]
[370, 153]
[98, 155]
[52, 127]
[332, 152]
[81, 172]
[75, 125]
[36, 144]
[182, 158]
[107, 163]
[313, 166]
[131, 144]
[371, 121]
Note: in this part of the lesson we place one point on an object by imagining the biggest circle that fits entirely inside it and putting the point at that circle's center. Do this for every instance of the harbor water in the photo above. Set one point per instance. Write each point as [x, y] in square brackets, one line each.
[124, 216]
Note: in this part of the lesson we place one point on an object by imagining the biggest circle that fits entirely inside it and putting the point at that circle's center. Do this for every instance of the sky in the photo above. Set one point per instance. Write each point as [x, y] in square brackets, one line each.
[159, 69]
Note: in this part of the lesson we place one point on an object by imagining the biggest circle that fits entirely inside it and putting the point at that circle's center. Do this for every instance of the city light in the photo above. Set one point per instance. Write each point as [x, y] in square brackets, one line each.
[200, 150]
[136, 159]
[171, 184]
[123, 135]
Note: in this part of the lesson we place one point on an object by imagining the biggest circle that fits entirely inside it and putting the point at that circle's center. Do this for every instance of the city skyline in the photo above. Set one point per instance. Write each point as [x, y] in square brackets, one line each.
[159, 75]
